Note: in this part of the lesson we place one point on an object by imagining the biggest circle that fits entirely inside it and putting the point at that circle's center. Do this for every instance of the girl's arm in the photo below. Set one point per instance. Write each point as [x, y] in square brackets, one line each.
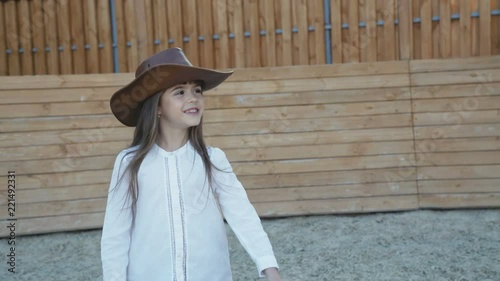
[240, 214]
[115, 240]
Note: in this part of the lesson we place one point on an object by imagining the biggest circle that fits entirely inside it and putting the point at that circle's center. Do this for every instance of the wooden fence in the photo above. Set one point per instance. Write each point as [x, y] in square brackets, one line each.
[74, 37]
[329, 139]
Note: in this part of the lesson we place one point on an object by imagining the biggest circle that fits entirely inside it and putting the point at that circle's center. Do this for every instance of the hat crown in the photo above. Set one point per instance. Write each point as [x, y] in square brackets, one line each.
[168, 56]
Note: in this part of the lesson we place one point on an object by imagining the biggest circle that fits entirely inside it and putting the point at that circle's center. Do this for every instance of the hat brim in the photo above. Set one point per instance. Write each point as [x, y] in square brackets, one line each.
[126, 103]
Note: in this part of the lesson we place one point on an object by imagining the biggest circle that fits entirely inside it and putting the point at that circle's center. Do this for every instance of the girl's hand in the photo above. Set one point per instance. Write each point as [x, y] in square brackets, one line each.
[272, 274]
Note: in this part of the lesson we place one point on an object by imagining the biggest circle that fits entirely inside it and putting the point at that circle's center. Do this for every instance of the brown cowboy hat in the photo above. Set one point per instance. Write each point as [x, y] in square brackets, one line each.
[159, 72]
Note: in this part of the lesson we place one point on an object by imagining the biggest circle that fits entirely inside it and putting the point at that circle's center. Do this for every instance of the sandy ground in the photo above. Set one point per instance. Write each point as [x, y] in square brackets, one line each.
[419, 245]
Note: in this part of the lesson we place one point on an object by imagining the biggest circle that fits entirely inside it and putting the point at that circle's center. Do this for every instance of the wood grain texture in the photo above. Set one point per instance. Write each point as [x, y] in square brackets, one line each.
[346, 138]
[90, 21]
[239, 33]
[12, 37]
[77, 38]
[485, 28]
[38, 32]
[25, 37]
[4, 70]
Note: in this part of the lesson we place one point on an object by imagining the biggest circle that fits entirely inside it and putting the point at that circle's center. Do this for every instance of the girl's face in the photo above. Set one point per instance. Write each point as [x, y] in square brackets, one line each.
[182, 106]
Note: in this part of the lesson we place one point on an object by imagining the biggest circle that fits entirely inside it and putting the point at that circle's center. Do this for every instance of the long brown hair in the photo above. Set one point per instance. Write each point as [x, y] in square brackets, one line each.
[145, 134]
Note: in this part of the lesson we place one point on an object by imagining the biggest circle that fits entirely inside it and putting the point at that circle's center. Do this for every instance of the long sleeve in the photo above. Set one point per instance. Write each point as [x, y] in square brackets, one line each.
[240, 214]
[115, 240]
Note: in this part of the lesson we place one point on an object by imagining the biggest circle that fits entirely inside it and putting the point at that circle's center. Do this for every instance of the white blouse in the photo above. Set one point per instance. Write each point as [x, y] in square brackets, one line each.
[179, 232]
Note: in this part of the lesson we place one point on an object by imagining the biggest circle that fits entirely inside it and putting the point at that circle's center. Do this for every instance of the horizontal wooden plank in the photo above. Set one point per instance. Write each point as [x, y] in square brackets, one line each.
[56, 223]
[217, 115]
[244, 154]
[308, 111]
[331, 192]
[456, 118]
[58, 165]
[307, 138]
[459, 144]
[85, 137]
[92, 177]
[456, 90]
[457, 104]
[63, 179]
[50, 95]
[390, 176]
[240, 74]
[65, 81]
[312, 84]
[52, 194]
[317, 165]
[463, 200]
[73, 164]
[337, 206]
[69, 150]
[234, 154]
[111, 148]
[431, 65]
[286, 125]
[34, 96]
[58, 208]
[54, 109]
[456, 77]
[125, 134]
[311, 71]
[306, 97]
[459, 172]
[458, 186]
[461, 131]
[26, 124]
[229, 87]
[458, 158]
[214, 128]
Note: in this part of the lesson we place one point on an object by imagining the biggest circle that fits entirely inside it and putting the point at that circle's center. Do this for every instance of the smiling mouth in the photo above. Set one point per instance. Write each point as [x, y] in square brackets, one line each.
[193, 110]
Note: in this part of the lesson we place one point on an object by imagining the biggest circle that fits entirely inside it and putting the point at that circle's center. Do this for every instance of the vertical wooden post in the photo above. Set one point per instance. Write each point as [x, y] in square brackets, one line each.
[405, 30]
[267, 42]
[426, 27]
[370, 40]
[3, 46]
[317, 37]
[77, 37]
[130, 35]
[190, 28]
[390, 32]
[235, 21]
[205, 27]
[221, 45]
[64, 37]
[485, 27]
[38, 31]
[300, 9]
[120, 33]
[25, 37]
[465, 29]
[141, 30]
[353, 33]
[336, 19]
[90, 32]
[12, 39]
[444, 28]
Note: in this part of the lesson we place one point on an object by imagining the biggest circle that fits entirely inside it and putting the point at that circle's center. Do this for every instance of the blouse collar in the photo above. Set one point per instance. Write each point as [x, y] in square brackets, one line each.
[178, 151]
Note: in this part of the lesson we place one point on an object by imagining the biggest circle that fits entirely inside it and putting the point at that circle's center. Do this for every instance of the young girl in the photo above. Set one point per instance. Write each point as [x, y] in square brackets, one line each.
[168, 190]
